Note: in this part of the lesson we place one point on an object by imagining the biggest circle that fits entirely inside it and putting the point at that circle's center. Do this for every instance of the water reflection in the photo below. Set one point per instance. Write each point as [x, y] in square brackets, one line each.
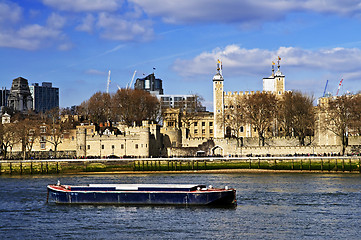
[281, 206]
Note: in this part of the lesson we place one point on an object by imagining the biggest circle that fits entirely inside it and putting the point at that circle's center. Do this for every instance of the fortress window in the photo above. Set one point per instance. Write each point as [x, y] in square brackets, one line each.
[203, 124]
[113, 146]
[136, 146]
[241, 129]
[195, 131]
[122, 146]
[210, 124]
[195, 124]
[88, 147]
[102, 146]
[211, 131]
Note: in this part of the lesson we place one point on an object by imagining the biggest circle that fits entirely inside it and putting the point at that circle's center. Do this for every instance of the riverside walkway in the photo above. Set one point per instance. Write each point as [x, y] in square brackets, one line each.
[180, 164]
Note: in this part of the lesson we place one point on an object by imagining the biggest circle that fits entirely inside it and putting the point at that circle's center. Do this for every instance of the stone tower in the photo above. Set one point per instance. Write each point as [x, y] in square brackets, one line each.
[218, 102]
[81, 141]
[276, 82]
[20, 97]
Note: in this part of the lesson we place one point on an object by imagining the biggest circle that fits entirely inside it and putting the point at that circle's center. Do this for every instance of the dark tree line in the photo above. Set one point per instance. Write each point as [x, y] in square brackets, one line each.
[342, 116]
[291, 114]
[28, 129]
[127, 106]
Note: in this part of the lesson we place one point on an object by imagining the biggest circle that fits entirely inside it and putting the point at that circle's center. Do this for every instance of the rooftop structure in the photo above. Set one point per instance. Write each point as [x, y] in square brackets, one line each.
[20, 98]
[150, 84]
[45, 97]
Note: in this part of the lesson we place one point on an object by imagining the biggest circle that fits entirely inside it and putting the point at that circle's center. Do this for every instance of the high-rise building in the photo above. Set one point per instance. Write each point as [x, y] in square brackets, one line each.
[4, 93]
[45, 97]
[19, 98]
[149, 84]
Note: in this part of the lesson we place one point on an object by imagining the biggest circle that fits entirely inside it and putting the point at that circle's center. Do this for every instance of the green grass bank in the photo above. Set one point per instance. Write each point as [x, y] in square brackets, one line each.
[72, 166]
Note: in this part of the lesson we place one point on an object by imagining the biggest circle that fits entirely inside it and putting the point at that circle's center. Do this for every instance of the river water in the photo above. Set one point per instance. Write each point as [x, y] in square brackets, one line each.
[270, 206]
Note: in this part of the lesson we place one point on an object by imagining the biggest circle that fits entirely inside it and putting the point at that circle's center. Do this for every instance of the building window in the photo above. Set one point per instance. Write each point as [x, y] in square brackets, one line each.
[254, 130]
[203, 124]
[211, 131]
[241, 129]
[122, 146]
[203, 131]
[72, 138]
[195, 124]
[88, 147]
[42, 129]
[102, 146]
[136, 146]
[195, 131]
[42, 145]
[210, 124]
[113, 146]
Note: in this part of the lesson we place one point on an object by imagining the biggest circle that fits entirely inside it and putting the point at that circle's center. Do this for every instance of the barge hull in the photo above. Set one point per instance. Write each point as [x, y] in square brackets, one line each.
[222, 197]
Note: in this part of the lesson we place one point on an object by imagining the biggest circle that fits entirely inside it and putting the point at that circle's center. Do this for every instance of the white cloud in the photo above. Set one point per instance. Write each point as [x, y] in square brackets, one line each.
[243, 12]
[84, 5]
[87, 24]
[240, 61]
[56, 21]
[95, 72]
[10, 13]
[115, 27]
[30, 36]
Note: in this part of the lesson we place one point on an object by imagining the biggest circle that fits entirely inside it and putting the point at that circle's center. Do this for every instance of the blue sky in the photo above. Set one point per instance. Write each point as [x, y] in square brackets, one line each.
[74, 43]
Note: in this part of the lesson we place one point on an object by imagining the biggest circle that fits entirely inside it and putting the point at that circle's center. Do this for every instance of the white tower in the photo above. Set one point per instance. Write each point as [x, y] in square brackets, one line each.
[218, 102]
[276, 82]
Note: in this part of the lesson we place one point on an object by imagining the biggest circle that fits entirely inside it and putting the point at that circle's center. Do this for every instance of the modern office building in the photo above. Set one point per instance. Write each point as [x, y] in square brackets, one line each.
[149, 84]
[19, 98]
[185, 102]
[4, 94]
[45, 97]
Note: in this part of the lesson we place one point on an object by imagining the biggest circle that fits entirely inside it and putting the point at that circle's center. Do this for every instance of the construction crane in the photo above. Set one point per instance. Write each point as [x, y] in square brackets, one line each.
[108, 82]
[131, 82]
[324, 92]
[339, 86]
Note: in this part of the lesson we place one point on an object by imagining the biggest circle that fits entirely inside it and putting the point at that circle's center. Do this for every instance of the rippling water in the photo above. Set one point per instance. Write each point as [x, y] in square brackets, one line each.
[270, 206]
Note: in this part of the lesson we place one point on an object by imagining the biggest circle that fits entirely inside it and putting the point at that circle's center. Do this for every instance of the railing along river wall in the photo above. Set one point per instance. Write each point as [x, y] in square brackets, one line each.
[56, 166]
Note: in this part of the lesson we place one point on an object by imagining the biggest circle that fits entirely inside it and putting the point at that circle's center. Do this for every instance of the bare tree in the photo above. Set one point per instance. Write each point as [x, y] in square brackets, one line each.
[235, 118]
[97, 108]
[133, 106]
[261, 113]
[7, 138]
[52, 131]
[339, 117]
[296, 115]
[27, 131]
[189, 109]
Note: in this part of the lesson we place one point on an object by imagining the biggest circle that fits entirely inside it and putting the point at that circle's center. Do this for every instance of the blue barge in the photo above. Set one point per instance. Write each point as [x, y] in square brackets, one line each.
[141, 194]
